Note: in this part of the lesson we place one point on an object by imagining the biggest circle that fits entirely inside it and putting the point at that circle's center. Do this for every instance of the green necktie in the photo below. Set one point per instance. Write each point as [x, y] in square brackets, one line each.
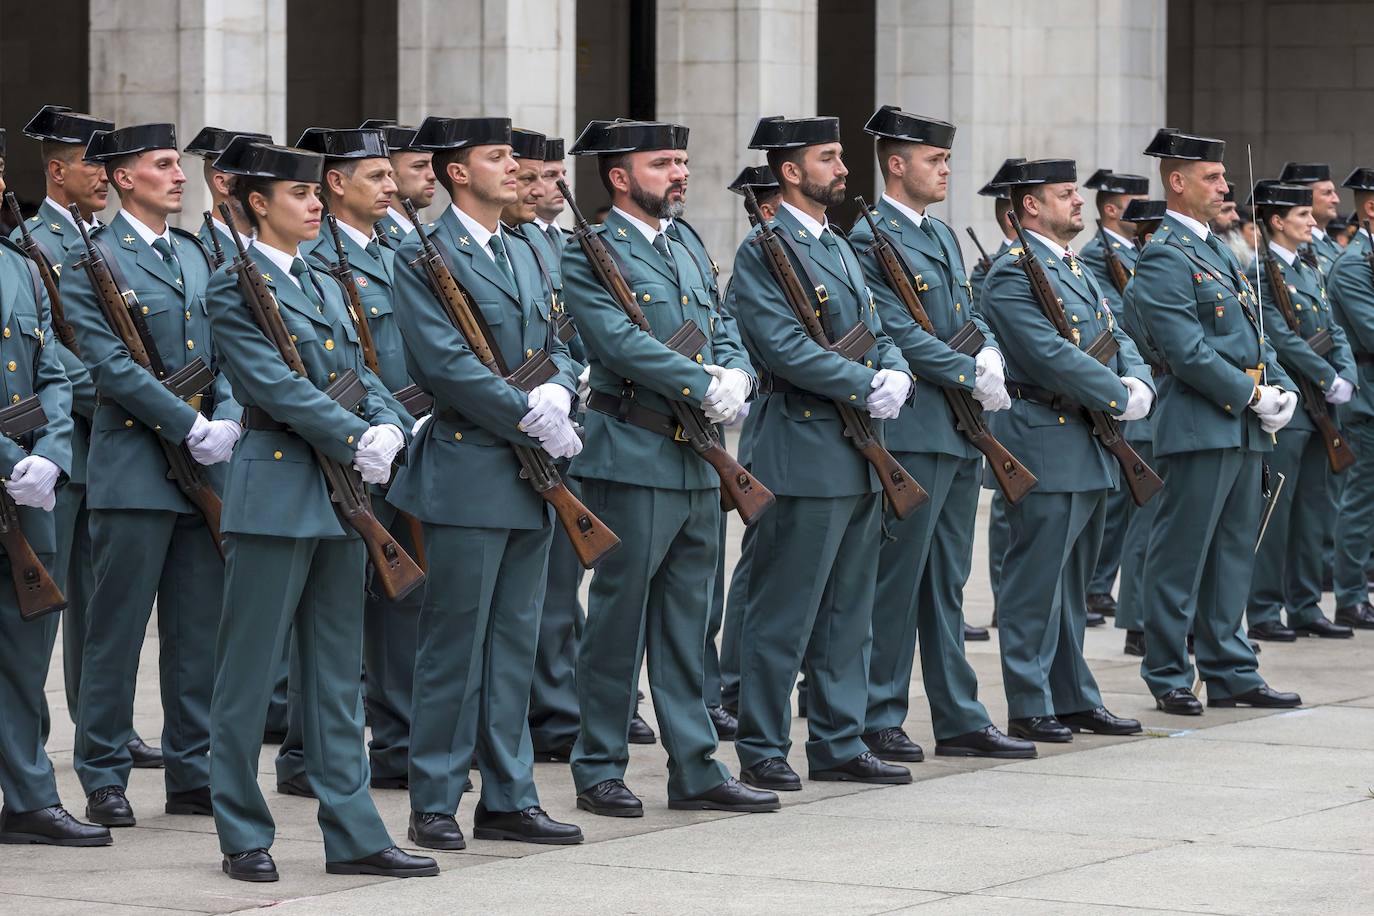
[498, 250]
[301, 272]
[374, 248]
[169, 260]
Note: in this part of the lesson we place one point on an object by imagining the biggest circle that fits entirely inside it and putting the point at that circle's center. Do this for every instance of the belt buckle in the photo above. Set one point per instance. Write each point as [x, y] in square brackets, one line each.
[195, 401]
[678, 435]
[821, 294]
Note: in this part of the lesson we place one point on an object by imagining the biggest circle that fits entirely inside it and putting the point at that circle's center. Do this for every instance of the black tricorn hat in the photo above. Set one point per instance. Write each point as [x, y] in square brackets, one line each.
[890, 121]
[211, 141]
[640, 136]
[1173, 144]
[1359, 180]
[1338, 224]
[1271, 193]
[997, 187]
[527, 144]
[1305, 172]
[58, 124]
[777, 132]
[399, 138]
[1143, 211]
[105, 145]
[252, 158]
[592, 138]
[553, 149]
[1108, 182]
[457, 133]
[758, 177]
[347, 143]
[1039, 171]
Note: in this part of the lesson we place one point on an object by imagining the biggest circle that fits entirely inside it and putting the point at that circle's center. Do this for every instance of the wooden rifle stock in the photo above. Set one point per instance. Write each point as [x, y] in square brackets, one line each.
[739, 489]
[65, 332]
[391, 565]
[1115, 268]
[591, 539]
[903, 493]
[34, 587]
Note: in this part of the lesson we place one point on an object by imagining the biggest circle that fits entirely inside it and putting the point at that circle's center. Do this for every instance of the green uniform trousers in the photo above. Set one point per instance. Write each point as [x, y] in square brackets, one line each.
[1130, 599]
[1288, 566]
[811, 606]
[711, 688]
[554, 719]
[1108, 564]
[1355, 520]
[732, 622]
[924, 563]
[479, 627]
[26, 775]
[73, 572]
[1052, 545]
[998, 535]
[312, 589]
[1201, 555]
[278, 707]
[652, 597]
[142, 554]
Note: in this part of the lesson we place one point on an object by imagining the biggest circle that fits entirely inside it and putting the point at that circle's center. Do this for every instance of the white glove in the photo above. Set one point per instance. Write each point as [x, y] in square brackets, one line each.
[1270, 401]
[377, 448]
[739, 417]
[549, 405]
[562, 440]
[584, 386]
[217, 445]
[1288, 403]
[31, 482]
[991, 374]
[890, 389]
[1140, 401]
[1340, 392]
[419, 425]
[726, 394]
[200, 428]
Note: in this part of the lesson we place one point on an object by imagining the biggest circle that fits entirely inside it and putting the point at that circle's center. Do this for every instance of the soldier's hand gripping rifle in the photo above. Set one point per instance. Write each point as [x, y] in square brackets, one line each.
[397, 573]
[1140, 479]
[591, 539]
[1120, 276]
[38, 594]
[216, 251]
[984, 261]
[125, 319]
[739, 489]
[1013, 477]
[1338, 452]
[903, 493]
[60, 325]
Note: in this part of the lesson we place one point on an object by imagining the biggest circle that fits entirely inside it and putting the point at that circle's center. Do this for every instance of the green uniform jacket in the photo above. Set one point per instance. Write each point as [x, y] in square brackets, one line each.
[207, 234]
[1326, 250]
[799, 446]
[551, 259]
[979, 274]
[1351, 285]
[1142, 430]
[395, 235]
[274, 486]
[1057, 445]
[1187, 294]
[619, 352]
[1308, 292]
[135, 407]
[461, 470]
[1093, 256]
[938, 275]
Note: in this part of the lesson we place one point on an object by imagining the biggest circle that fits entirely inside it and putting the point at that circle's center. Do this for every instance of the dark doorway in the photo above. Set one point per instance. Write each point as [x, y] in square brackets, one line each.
[341, 63]
[847, 42]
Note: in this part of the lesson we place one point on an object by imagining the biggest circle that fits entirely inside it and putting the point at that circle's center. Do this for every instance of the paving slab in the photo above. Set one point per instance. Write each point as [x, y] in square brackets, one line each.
[980, 904]
[1324, 726]
[1342, 828]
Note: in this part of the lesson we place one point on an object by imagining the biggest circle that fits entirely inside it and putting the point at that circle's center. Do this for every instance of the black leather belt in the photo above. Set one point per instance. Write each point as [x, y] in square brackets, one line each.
[259, 419]
[1364, 359]
[783, 386]
[627, 410]
[1037, 395]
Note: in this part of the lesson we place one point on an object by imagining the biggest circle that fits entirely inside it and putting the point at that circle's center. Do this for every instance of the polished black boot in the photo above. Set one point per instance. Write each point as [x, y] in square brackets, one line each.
[433, 830]
[51, 826]
[108, 807]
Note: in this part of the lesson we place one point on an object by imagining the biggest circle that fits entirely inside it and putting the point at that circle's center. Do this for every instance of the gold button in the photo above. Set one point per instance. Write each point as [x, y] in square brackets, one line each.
[806, 413]
[349, 440]
[684, 300]
[958, 306]
[961, 376]
[853, 397]
[1219, 295]
[145, 309]
[868, 363]
[190, 344]
[294, 338]
[700, 359]
[1111, 403]
[457, 437]
[329, 344]
[1228, 408]
[528, 352]
[647, 297]
[15, 399]
[1061, 419]
[1075, 319]
[375, 310]
[686, 391]
[277, 455]
[188, 314]
[333, 375]
[129, 424]
[11, 365]
[7, 333]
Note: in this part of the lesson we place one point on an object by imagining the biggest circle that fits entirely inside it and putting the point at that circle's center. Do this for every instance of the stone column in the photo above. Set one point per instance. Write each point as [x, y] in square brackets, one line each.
[721, 66]
[1081, 79]
[194, 62]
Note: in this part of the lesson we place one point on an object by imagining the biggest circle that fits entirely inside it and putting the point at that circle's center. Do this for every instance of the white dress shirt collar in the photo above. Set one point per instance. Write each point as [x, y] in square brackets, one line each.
[361, 238]
[1198, 229]
[1288, 257]
[480, 234]
[282, 259]
[917, 218]
[1058, 249]
[145, 233]
[649, 232]
[400, 219]
[807, 220]
[1119, 237]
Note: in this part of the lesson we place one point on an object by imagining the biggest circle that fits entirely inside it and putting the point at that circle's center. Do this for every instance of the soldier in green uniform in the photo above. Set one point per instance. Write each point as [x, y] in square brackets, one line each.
[486, 531]
[1221, 401]
[1055, 531]
[1326, 201]
[925, 558]
[32, 812]
[208, 144]
[413, 172]
[809, 596]
[147, 539]
[651, 596]
[290, 562]
[1115, 191]
[1351, 286]
[1288, 564]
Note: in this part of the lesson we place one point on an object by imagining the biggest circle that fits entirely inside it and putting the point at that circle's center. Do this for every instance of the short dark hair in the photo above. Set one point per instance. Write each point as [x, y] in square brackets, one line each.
[1000, 206]
[1104, 198]
[1265, 212]
[604, 164]
[887, 147]
[345, 167]
[443, 159]
[66, 152]
[776, 158]
[1018, 197]
[118, 162]
[244, 185]
[769, 196]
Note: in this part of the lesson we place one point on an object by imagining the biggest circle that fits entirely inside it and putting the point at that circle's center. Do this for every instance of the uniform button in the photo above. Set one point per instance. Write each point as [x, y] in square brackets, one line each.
[375, 310]
[686, 391]
[145, 309]
[349, 440]
[958, 306]
[647, 297]
[457, 437]
[190, 344]
[294, 338]
[333, 375]
[853, 397]
[806, 413]
[188, 314]
[129, 424]
[700, 359]
[7, 333]
[15, 399]
[11, 365]
[961, 377]
[684, 300]
[329, 343]
[1061, 419]
[1228, 408]
[868, 363]
[277, 455]
[528, 352]
[1219, 295]
[1111, 403]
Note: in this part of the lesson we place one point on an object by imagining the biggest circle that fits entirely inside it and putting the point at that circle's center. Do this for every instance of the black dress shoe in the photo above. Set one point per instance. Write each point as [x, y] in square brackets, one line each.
[433, 830]
[194, 801]
[1179, 702]
[986, 742]
[1094, 619]
[51, 826]
[555, 754]
[1040, 728]
[271, 736]
[108, 807]
[1325, 629]
[1135, 643]
[253, 865]
[893, 744]
[1356, 616]
[401, 783]
[731, 795]
[611, 798]
[640, 732]
[391, 862]
[298, 785]
[1099, 722]
[863, 768]
[727, 726]
[1262, 697]
[1271, 631]
[532, 825]
[772, 774]
[975, 634]
[144, 757]
[1103, 603]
